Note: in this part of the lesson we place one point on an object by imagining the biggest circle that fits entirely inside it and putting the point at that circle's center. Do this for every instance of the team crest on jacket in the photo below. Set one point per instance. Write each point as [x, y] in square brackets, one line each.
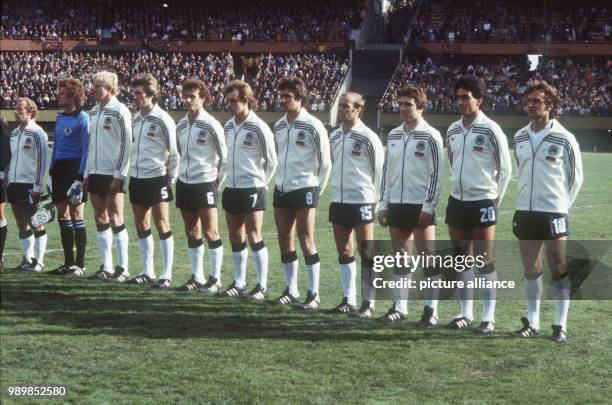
[151, 132]
[67, 131]
[201, 137]
[107, 122]
[480, 140]
[420, 147]
[357, 146]
[28, 143]
[248, 139]
[553, 150]
[301, 136]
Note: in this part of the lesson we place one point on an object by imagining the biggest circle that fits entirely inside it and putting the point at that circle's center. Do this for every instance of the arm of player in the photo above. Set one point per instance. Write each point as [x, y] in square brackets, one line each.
[379, 160]
[383, 203]
[84, 129]
[123, 160]
[573, 167]
[270, 151]
[173, 155]
[222, 151]
[41, 160]
[325, 165]
[505, 164]
[435, 167]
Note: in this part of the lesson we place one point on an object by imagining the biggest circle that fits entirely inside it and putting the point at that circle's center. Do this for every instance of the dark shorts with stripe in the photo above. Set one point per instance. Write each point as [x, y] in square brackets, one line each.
[239, 201]
[18, 193]
[99, 184]
[351, 215]
[196, 196]
[63, 175]
[531, 225]
[149, 192]
[470, 214]
[405, 216]
[297, 199]
[3, 190]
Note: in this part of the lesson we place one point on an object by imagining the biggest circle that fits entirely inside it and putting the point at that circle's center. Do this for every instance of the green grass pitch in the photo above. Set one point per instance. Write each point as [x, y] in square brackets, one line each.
[116, 343]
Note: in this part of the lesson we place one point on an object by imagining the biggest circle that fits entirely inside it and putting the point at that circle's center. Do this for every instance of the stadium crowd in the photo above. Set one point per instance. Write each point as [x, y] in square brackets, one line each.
[501, 21]
[35, 75]
[277, 20]
[521, 20]
[583, 83]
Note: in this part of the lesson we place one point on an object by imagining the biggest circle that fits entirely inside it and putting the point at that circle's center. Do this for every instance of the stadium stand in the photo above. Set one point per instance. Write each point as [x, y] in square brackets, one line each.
[503, 21]
[583, 83]
[273, 20]
[35, 74]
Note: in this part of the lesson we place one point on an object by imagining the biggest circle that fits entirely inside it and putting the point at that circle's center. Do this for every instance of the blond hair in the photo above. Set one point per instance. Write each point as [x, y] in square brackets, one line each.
[108, 80]
[30, 106]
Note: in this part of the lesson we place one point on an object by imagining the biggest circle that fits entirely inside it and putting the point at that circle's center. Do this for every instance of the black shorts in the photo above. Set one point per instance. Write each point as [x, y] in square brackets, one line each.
[194, 197]
[405, 216]
[530, 225]
[3, 190]
[18, 193]
[470, 214]
[297, 199]
[244, 200]
[64, 174]
[100, 184]
[351, 215]
[149, 192]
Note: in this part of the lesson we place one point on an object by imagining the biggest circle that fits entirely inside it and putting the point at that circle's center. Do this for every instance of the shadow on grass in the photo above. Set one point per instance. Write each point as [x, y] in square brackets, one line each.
[91, 308]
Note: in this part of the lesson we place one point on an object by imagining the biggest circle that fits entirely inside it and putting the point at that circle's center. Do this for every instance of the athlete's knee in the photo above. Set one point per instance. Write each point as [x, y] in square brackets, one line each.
[211, 234]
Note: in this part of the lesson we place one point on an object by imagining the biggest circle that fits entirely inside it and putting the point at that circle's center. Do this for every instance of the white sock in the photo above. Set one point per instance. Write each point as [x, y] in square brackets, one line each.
[215, 258]
[260, 259]
[347, 279]
[146, 248]
[105, 246]
[561, 294]
[122, 242]
[312, 274]
[291, 277]
[466, 295]
[239, 260]
[166, 248]
[40, 245]
[196, 255]
[533, 294]
[400, 295]
[27, 248]
[488, 296]
[431, 296]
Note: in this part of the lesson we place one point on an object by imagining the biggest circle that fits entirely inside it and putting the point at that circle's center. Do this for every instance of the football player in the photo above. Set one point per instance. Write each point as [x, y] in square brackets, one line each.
[410, 190]
[68, 158]
[251, 164]
[26, 178]
[304, 167]
[357, 155]
[154, 164]
[108, 156]
[480, 173]
[203, 152]
[549, 179]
